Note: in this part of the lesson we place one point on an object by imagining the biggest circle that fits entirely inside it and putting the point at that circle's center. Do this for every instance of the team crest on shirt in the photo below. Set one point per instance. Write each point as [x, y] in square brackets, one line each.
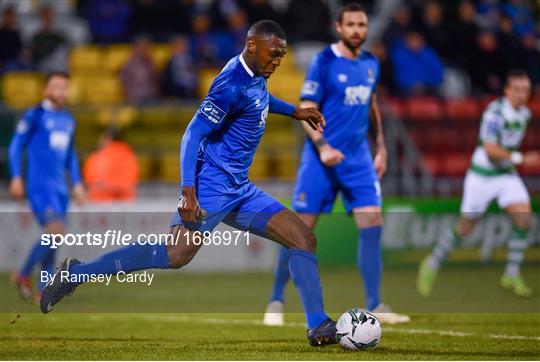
[342, 78]
[301, 200]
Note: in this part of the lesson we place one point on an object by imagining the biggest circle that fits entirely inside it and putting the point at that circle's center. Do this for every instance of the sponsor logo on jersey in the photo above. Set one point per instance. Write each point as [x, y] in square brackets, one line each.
[212, 112]
[59, 140]
[355, 95]
[264, 115]
[310, 88]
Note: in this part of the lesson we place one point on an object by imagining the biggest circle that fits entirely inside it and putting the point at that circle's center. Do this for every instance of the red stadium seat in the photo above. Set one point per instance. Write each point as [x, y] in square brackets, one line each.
[424, 109]
[463, 110]
[469, 138]
[532, 140]
[534, 106]
[440, 140]
[455, 164]
[396, 106]
[432, 163]
[485, 100]
[532, 170]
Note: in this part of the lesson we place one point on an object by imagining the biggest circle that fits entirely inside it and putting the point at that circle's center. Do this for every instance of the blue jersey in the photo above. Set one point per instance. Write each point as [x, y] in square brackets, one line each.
[236, 107]
[47, 136]
[343, 88]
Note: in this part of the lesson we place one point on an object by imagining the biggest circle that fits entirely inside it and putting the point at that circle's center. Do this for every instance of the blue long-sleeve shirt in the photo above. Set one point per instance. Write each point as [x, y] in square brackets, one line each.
[229, 123]
[47, 137]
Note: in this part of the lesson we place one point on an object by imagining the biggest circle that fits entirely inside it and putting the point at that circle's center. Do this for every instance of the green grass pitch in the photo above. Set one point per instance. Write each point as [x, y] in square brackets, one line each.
[217, 317]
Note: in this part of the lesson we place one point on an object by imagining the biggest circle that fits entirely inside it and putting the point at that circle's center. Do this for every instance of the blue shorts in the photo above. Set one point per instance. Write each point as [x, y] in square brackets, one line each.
[317, 185]
[48, 206]
[244, 207]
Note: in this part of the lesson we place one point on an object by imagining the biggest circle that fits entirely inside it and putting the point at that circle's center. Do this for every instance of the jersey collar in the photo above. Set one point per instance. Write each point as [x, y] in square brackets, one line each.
[337, 53]
[335, 50]
[249, 71]
[47, 105]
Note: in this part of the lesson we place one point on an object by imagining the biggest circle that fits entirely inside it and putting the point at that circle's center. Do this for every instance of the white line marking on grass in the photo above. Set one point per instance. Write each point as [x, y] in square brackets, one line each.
[386, 329]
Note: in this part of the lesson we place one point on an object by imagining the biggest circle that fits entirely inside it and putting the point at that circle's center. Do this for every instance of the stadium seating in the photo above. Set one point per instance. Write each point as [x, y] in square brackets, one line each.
[424, 109]
[534, 106]
[259, 169]
[161, 53]
[86, 59]
[169, 167]
[455, 164]
[21, 90]
[463, 110]
[116, 56]
[95, 90]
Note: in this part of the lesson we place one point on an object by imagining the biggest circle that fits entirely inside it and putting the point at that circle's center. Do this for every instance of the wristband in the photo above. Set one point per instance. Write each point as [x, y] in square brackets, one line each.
[516, 157]
[320, 142]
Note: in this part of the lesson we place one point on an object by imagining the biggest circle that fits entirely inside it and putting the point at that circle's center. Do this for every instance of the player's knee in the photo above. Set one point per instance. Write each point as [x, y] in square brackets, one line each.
[307, 240]
[523, 222]
[367, 217]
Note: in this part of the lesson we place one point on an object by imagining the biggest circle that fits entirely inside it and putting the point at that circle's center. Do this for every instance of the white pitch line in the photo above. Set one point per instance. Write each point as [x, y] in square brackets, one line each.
[177, 318]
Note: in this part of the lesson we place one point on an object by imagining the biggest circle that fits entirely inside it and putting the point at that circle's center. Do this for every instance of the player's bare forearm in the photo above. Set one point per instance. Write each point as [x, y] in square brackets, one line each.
[311, 116]
[312, 134]
[496, 152]
[381, 156]
[376, 120]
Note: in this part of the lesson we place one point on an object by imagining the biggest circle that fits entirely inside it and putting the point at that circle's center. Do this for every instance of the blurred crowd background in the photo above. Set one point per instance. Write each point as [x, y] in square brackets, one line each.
[140, 67]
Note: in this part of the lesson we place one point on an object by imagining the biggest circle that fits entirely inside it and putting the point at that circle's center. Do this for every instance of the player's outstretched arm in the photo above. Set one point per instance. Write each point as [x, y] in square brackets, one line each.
[196, 131]
[16, 148]
[328, 155]
[497, 153]
[72, 165]
[311, 116]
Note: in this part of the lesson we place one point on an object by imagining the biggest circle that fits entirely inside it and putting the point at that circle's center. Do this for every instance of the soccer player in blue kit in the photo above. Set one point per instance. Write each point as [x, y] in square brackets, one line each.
[216, 152]
[45, 132]
[342, 83]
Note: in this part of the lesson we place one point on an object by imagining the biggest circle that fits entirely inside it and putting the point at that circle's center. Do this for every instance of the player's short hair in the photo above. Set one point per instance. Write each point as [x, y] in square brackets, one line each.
[351, 7]
[267, 28]
[57, 73]
[515, 74]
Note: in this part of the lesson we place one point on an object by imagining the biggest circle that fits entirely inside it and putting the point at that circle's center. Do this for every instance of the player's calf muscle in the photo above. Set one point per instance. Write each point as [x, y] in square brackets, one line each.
[181, 250]
[286, 228]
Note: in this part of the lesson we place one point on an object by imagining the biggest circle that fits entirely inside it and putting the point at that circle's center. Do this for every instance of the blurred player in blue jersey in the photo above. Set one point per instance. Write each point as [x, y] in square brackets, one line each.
[45, 132]
[342, 83]
[216, 152]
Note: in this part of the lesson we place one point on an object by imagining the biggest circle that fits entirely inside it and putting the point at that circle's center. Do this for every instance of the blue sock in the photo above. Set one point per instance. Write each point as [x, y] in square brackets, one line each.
[370, 264]
[39, 252]
[305, 275]
[281, 275]
[129, 258]
[47, 264]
